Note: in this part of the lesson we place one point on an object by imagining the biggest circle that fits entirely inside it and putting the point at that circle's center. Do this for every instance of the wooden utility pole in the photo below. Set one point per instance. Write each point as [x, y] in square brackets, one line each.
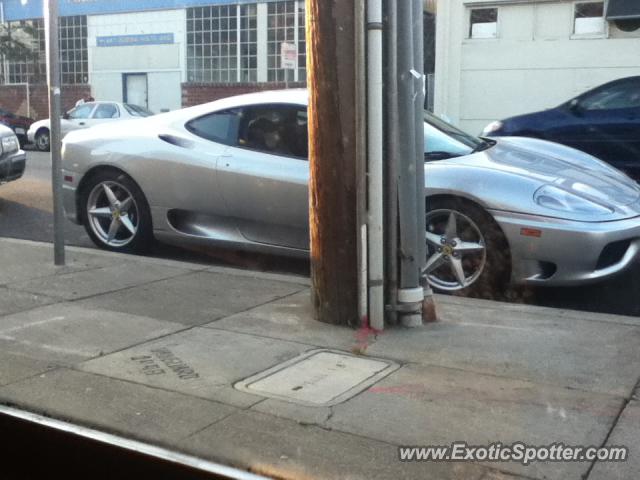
[331, 65]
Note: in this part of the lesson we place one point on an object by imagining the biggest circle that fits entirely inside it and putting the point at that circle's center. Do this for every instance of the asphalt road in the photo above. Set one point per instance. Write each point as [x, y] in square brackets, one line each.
[26, 212]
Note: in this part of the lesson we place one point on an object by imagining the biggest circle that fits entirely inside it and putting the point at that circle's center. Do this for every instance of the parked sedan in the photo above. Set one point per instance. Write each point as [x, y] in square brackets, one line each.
[17, 123]
[234, 172]
[85, 116]
[12, 159]
[604, 122]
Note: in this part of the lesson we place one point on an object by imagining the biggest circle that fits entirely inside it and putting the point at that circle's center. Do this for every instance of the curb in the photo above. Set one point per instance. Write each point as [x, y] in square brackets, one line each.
[194, 267]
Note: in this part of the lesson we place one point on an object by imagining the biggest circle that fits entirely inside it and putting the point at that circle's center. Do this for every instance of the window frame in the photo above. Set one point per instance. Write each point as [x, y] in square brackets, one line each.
[592, 35]
[209, 138]
[295, 106]
[469, 34]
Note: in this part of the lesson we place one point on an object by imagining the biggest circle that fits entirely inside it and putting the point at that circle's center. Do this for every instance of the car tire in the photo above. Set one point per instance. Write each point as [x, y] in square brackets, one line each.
[42, 140]
[115, 213]
[486, 271]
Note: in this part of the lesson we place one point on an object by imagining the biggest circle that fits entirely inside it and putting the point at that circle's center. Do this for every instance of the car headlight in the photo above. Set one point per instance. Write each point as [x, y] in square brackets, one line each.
[492, 127]
[10, 144]
[556, 198]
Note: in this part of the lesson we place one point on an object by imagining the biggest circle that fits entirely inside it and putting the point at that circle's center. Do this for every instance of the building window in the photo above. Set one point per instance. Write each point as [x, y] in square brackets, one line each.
[73, 53]
[222, 44]
[286, 25]
[73, 49]
[248, 43]
[589, 18]
[483, 23]
[212, 44]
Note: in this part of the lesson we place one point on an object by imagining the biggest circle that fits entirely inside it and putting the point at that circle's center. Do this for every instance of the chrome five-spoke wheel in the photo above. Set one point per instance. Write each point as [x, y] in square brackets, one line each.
[113, 214]
[456, 250]
[467, 253]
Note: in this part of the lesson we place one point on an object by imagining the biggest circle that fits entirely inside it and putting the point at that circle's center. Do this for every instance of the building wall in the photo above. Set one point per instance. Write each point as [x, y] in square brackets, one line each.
[535, 62]
[197, 93]
[14, 99]
[164, 64]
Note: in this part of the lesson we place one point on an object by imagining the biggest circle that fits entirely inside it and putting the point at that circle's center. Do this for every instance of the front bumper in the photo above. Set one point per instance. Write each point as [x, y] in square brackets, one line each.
[12, 166]
[568, 252]
[69, 187]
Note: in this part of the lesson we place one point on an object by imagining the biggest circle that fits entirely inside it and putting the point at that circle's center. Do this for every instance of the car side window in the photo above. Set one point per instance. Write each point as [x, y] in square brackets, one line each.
[106, 110]
[220, 127]
[275, 129]
[626, 95]
[83, 111]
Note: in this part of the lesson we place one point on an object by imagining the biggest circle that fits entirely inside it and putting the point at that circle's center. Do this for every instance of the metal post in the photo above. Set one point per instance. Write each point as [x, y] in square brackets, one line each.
[375, 154]
[392, 159]
[53, 80]
[360, 18]
[428, 306]
[410, 293]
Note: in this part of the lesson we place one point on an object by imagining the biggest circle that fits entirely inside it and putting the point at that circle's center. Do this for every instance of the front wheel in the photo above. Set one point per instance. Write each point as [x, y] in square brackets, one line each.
[42, 140]
[115, 213]
[467, 253]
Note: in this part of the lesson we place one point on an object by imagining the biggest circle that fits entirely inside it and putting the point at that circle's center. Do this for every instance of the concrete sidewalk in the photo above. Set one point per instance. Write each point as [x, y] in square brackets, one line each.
[159, 351]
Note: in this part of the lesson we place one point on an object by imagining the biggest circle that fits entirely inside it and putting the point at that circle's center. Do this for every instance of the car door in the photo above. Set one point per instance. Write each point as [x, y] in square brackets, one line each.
[77, 118]
[606, 124]
[264, 176]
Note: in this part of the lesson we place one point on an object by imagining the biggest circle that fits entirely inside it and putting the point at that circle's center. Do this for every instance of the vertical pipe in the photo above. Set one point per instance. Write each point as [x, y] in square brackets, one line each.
[410, 293]
[360, 19]
[392, 157]
[375, 146]
[53, 78]
[419, 79]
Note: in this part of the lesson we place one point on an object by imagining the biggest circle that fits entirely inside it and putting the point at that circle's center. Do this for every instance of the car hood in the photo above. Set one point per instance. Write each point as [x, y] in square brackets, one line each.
[547, 163]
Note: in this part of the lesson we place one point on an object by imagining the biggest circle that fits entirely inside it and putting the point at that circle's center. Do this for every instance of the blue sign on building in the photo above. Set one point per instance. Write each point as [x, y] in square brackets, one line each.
[129, 40]
[17, 10]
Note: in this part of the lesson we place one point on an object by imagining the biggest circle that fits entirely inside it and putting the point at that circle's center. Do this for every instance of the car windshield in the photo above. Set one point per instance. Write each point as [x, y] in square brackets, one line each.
[137, 111]
[442, 138]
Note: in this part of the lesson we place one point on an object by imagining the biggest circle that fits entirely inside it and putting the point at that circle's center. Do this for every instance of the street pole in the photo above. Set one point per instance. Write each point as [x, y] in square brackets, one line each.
[331, 65]
[428, 305]
[410, 292]
[392, 160]
[53, 80]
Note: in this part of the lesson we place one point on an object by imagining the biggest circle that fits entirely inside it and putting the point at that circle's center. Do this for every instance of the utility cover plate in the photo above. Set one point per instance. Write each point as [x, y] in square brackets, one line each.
[319, 378]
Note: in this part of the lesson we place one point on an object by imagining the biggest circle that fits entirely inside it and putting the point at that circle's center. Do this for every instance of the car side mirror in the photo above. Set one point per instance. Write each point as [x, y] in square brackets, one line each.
[65, 115]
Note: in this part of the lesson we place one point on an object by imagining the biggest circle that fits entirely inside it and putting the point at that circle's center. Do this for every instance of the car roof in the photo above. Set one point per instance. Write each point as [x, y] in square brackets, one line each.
[295, 96]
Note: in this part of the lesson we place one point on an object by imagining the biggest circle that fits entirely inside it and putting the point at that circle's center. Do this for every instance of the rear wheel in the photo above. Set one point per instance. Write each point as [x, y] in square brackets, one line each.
[42, 140]
[115, 213]
[467, 253]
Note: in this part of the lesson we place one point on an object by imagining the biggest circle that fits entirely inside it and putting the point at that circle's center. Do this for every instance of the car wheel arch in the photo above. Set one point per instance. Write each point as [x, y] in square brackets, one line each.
[92, 172]
[465, 200]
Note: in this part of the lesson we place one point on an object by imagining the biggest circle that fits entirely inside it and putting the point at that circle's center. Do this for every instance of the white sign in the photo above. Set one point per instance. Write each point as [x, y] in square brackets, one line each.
[288, 56]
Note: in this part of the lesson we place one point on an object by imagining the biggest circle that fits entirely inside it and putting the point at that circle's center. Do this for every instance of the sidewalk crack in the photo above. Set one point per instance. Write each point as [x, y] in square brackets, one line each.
[625, 403]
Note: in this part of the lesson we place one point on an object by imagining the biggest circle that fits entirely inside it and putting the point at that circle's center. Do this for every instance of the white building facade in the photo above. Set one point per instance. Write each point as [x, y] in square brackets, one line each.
[159, 54]
[496, 59]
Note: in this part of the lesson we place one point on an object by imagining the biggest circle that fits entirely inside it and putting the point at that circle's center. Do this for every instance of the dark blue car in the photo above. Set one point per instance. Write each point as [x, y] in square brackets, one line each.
[604, 122]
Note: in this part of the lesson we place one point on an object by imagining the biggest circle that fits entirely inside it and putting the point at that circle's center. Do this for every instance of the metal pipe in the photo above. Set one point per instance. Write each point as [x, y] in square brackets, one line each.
[361, 155]
[392, 158]
[375, 146]
[53, 79]
[419, 87]
[410, 294]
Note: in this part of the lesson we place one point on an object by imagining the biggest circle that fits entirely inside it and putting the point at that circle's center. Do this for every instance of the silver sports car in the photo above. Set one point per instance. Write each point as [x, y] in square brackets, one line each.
[234, 172]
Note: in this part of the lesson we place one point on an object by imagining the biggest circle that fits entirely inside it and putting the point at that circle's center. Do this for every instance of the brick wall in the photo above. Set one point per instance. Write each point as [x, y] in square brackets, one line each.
[14, 98]
[197, 93]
